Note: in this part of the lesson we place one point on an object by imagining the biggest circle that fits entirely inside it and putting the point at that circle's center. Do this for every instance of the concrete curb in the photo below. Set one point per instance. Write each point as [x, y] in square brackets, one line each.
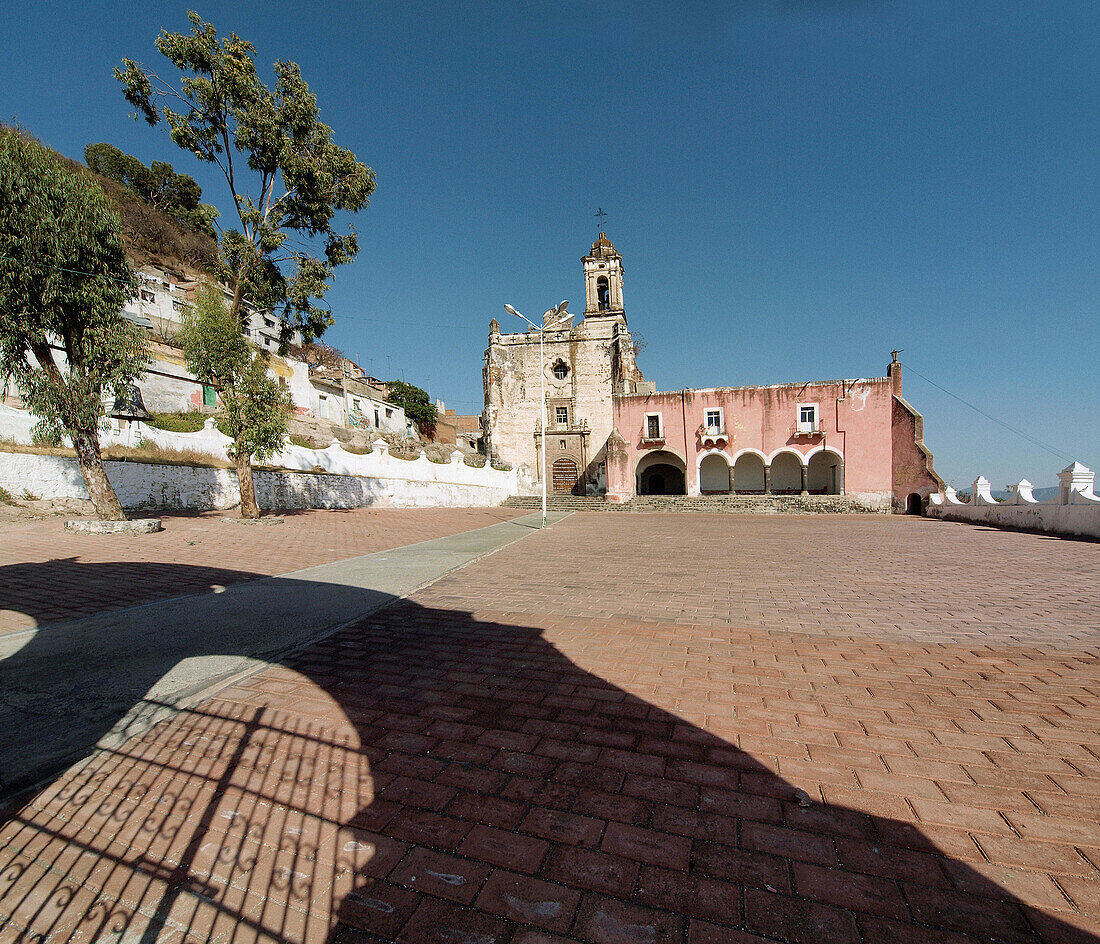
[95, 526]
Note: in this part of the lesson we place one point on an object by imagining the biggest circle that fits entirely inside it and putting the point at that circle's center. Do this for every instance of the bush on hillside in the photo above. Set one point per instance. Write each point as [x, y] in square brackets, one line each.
[189, 422]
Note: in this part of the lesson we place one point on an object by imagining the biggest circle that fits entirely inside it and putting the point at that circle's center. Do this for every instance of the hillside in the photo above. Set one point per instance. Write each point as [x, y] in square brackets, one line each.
[153, 237]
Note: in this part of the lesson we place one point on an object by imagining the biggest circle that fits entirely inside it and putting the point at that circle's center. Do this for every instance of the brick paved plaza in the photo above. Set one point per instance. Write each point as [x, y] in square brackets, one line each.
[48, 575]
[627, 729]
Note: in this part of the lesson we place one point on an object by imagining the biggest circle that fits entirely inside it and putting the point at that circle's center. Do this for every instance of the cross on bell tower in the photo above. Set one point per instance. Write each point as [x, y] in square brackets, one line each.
[603, 280]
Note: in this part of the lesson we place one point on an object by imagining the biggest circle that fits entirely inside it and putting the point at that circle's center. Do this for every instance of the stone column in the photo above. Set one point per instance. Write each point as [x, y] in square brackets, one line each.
[620, 476]
[767, 479]
[732, 491]
[805, 470]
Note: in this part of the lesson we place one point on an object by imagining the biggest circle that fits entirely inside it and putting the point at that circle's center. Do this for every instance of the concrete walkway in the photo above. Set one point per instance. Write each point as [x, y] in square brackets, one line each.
[69, 686]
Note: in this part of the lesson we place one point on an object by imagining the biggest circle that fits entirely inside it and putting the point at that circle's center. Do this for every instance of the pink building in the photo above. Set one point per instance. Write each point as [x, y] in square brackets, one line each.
[844, 437]
[609, 432]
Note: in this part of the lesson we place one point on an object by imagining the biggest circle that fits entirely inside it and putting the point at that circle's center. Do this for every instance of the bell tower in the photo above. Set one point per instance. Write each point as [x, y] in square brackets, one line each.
[603, 280]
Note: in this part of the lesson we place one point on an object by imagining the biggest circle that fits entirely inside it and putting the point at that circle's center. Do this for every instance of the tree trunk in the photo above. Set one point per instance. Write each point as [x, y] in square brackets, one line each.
[103, 496]
[249, 508]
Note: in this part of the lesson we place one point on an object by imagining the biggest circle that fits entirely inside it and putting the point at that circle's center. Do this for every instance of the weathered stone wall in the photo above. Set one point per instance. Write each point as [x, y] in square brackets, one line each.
[599, 356]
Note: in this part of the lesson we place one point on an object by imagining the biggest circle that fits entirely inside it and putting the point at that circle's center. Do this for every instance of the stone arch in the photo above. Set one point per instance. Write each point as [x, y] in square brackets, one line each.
[603, 293]
[825, 472]
[661, 472]
[748, 472]
[714, 472]
[786, 473]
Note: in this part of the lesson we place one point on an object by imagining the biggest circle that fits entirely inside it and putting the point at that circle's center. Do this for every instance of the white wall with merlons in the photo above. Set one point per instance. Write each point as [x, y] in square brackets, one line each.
[1075, 511]
[307, 478]
[147, 485]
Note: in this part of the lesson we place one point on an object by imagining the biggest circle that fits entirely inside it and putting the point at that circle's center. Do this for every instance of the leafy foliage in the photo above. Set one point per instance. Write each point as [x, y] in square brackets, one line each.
[416, 403]
[190, 422]
[64, 280]
[159, 185]
[254, 408]
[222, 113]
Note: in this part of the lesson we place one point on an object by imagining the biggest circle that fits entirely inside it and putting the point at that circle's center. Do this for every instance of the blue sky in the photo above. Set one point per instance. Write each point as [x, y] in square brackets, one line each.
[796, 187]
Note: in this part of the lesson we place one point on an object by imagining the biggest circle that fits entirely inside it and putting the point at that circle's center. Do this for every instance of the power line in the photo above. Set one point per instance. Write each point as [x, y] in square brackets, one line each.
[989, 416]
[57, 268]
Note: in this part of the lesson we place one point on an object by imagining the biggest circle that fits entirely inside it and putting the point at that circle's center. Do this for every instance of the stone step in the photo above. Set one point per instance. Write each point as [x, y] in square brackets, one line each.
[557, 502]
[752, 504]
[713, 504]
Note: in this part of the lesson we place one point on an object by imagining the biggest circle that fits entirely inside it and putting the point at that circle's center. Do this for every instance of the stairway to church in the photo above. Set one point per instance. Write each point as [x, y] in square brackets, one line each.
[558, 503]
[708, 504]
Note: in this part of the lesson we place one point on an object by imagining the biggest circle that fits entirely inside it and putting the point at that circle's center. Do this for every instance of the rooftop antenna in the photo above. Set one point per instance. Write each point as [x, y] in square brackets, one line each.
[600, 214]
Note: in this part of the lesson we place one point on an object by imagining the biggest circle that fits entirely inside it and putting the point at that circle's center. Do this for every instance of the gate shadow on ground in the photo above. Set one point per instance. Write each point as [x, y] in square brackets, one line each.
[425, 775]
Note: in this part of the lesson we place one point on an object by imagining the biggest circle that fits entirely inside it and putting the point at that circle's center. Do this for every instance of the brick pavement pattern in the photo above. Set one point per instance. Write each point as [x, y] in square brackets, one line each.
[48, 574]
[625, 730]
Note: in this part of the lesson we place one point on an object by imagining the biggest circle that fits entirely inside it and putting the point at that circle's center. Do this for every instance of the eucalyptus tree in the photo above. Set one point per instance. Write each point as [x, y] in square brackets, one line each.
[253, 409]
[284, 172]
[64, 280]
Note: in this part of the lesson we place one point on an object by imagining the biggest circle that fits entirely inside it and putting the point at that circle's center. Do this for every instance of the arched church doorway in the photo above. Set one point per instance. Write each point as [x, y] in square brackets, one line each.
[748, 474]
[661, 473]
[714, 475]
[564, 476]
[913, 504]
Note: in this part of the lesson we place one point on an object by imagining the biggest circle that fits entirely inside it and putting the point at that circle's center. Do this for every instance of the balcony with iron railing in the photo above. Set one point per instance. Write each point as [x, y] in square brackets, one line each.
[807, 428]
[713, 434]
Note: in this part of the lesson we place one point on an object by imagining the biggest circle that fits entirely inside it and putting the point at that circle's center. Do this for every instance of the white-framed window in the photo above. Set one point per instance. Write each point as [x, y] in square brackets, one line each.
[712, 420]
[561, 415]
[652, 426]
[808, 418]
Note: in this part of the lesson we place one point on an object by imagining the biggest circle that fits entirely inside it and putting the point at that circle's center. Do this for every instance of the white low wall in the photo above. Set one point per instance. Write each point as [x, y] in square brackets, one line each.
[145, 485]
[1075, 512]
[343, 480]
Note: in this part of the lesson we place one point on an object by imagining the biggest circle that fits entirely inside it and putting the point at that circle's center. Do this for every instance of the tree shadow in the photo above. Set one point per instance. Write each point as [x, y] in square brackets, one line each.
[426, 775]
[40, 589]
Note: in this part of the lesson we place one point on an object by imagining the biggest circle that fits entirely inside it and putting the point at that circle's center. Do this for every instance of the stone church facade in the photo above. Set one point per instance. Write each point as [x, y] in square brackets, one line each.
[585, 366]
[608, 432]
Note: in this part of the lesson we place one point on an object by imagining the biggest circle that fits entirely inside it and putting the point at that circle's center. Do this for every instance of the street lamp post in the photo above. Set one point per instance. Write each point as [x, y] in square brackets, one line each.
[562, 316]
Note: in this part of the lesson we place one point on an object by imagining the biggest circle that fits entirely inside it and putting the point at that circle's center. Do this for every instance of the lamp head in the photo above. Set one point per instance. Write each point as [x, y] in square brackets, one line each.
[512, 311]
[562, 306]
